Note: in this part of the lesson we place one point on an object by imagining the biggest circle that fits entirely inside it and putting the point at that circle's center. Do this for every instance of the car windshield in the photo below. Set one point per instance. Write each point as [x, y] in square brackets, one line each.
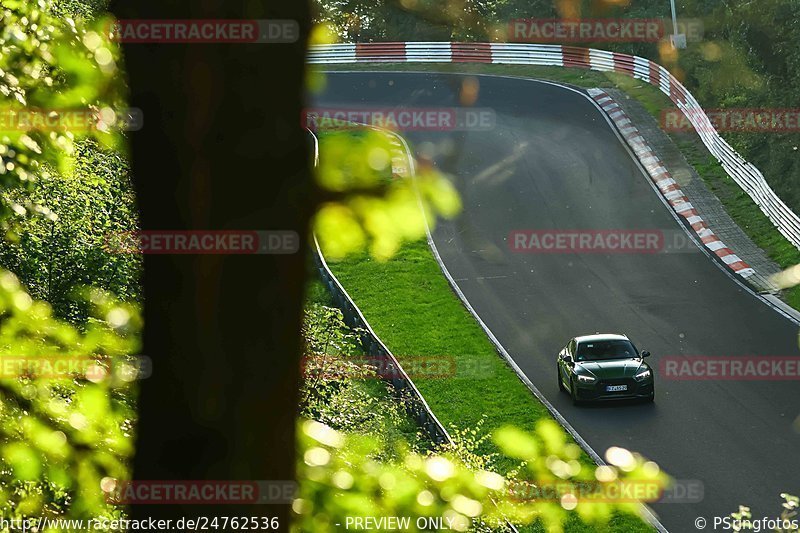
[605, 349]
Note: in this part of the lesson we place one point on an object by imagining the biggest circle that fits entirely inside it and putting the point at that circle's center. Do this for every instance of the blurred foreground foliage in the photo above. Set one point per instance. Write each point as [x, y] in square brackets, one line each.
[346, 475]
[63, 431]
[89, 204]
[787, 522]
[359, 457]
[369, 202]
[362, 456]
[62, 434]
[59, 80]
[340, 390]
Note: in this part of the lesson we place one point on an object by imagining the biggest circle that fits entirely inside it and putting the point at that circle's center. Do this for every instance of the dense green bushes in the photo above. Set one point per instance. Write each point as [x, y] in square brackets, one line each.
[343, 392]
[54, 256]
[65, 433]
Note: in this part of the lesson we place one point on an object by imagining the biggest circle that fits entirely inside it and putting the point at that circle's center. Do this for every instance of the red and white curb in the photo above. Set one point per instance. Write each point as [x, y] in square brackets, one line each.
[668, 187]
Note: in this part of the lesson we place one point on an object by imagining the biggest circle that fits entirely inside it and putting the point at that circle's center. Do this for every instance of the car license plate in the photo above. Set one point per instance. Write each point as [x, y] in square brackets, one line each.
[616, 388]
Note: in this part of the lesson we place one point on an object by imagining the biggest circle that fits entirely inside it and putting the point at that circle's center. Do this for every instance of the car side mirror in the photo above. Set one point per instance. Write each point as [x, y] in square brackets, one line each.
[645, 353]
[568, 358]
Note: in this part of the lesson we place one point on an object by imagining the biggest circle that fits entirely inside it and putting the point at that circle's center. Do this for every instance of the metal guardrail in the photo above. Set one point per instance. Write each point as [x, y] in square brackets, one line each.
[403, 385]
[413, 399]
[374, 347]
[747, 176]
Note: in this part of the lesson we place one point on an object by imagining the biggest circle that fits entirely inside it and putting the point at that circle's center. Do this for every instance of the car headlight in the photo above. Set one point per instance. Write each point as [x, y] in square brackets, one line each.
[586, 379]
[644, 374]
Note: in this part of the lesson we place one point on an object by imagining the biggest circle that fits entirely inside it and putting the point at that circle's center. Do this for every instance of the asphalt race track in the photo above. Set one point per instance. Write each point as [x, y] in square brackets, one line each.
[552, 161]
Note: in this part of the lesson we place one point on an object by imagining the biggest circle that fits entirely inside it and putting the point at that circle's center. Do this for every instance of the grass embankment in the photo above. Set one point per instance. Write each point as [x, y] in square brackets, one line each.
[386, 417]
[409, 304]
[736, 202]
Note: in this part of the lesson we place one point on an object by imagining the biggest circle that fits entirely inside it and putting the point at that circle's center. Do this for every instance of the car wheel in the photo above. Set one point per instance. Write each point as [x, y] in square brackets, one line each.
[560, 382]
[573, 389]
[652, 397]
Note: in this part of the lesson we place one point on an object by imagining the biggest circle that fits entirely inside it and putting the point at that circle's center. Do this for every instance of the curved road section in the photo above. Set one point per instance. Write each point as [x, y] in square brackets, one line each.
[548, 163]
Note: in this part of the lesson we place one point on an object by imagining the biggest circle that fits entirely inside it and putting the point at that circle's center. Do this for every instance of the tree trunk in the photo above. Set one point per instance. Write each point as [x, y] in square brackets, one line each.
[221, 148]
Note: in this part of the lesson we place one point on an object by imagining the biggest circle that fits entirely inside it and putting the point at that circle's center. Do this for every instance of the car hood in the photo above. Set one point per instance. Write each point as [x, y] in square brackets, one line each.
[616, 368]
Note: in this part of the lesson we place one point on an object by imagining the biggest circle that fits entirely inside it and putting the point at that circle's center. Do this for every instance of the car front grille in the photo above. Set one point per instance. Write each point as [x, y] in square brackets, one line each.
[622, 381]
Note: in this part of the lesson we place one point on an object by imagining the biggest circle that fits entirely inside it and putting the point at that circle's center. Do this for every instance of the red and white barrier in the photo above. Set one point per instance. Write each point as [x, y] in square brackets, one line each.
[748, 177]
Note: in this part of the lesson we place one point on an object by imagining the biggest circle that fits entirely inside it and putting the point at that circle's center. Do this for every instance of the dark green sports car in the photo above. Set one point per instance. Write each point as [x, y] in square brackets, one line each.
[604, 367]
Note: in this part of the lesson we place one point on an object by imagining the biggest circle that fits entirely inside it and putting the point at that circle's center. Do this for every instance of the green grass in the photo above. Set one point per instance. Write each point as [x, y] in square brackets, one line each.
[736, 202]
[424, 318]
[404, 428]
[317, 292]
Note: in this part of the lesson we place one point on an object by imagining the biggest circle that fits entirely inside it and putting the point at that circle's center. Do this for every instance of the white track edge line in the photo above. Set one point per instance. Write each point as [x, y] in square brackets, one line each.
[647, 513]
